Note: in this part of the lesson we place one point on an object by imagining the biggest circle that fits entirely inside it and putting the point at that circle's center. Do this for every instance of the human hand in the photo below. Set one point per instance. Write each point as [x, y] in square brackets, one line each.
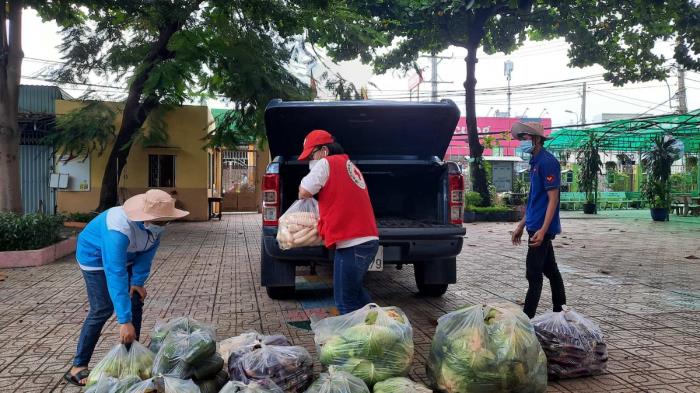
[140, 290]
[517, 235]
[127, 333]
[537, 239]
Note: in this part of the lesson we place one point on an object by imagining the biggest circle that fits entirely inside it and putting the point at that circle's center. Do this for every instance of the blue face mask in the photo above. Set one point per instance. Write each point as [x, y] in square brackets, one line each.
[526, 147]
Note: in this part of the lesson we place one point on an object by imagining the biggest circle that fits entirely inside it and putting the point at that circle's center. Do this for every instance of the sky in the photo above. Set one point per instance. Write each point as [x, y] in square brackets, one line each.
[535, 62]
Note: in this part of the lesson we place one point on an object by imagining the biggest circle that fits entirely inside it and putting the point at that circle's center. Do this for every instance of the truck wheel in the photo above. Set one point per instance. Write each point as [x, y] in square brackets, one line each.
[432, 290]
[280, 293]
[277, 276]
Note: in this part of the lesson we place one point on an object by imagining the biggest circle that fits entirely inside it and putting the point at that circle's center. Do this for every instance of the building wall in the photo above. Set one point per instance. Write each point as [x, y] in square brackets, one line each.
[187, 125]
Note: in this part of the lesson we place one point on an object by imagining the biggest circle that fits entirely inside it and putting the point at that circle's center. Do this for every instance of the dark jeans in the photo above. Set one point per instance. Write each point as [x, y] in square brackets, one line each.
[540, 261]
[101, 309]
[349, 269]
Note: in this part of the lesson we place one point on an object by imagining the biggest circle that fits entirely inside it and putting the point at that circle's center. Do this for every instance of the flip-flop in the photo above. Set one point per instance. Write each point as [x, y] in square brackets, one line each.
[75, 379]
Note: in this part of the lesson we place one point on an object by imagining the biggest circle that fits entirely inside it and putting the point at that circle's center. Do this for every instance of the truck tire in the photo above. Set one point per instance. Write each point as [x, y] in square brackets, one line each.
[432, 290]
[434, 276]
[277, 276]
[280, 293]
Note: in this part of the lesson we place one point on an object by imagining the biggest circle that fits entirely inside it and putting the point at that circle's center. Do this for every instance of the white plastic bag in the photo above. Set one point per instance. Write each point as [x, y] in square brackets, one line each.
[262, 386]
[298, 226]
[573, 344]
[161, 384]
[336, 381]
[486, 348]
[245, 342]
[121, 363]
[400, 385]
[373, 343]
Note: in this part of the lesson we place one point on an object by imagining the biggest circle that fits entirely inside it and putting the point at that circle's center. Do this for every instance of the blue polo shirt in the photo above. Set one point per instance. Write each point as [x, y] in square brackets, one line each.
[545, 175]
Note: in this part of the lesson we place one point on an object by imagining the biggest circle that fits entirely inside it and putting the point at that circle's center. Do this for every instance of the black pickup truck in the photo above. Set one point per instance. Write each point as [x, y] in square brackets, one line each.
[417, 198]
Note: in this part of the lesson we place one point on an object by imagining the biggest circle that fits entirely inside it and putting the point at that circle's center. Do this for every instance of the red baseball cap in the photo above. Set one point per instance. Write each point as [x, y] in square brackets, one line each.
[313, 139]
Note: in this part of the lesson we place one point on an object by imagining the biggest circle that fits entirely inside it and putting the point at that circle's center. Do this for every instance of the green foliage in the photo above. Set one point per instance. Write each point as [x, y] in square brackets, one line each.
[83, 131]
[588, 159]
[29, 231]
[657, 163]
[79, 217]
[472, 198]
[490, 209]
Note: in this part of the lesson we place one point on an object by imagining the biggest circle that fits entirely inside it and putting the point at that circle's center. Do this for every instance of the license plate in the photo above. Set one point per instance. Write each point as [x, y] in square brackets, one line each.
[377, 264]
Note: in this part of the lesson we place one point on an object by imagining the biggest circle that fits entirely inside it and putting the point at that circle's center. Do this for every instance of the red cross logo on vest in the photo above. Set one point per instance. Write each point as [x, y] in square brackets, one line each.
[355, 175]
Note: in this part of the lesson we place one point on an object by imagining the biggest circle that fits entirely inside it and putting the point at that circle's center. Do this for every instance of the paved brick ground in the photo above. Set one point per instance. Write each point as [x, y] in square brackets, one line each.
[639, 280]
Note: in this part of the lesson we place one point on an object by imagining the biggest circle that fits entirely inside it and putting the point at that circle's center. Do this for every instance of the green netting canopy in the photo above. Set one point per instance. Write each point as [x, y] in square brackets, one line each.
[633, 135]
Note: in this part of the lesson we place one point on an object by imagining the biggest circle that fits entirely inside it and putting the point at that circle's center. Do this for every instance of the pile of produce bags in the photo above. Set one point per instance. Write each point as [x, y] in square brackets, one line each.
[258, 357]
[187, 349]
[336, 381]
[573, 344]
[487, 348]
[122, 362]
[298, 226]
[113, 385]
[399, 385]
[373, 343]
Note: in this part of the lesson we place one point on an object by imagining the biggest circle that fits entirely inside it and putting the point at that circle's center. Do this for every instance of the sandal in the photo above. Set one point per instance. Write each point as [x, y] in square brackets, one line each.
[75, 379]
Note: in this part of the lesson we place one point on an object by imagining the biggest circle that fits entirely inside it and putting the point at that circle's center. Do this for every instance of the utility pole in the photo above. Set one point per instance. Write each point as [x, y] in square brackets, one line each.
[507, 70]
[682, 100]
[433, 78]
[583, 104]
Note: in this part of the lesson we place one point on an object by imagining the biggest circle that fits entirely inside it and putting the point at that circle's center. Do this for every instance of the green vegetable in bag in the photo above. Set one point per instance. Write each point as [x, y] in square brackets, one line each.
[400, 385]
[209, 367]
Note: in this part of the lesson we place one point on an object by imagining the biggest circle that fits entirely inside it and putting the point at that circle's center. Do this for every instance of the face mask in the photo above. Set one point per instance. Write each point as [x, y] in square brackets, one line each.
[526, 147]
[312, 164]
[156, 230]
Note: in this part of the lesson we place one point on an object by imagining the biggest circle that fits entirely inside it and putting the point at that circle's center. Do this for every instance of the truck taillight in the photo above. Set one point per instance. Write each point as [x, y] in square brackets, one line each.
[270, 191]
[456, 190]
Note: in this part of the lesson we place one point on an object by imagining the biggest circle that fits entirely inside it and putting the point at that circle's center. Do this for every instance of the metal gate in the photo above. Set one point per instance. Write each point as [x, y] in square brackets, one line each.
[238, 173]
[35, 166]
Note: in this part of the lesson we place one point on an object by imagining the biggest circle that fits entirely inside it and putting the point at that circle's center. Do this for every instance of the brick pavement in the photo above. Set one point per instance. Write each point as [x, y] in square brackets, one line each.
[629, 274]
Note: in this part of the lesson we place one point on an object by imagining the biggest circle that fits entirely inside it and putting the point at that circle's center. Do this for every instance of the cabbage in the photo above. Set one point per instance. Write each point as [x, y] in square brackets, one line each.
[486, 349]
[373, 343]
[400, 385]
[336, 381]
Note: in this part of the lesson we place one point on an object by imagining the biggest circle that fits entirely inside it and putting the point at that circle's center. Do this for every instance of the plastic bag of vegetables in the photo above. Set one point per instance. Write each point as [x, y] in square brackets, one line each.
[162, 384]
[289, 367]
[487, 348]
[261, 386]
[298, 226]
[373, 343]
[179, 324]
[400, 385]
[573, 344]
[336, 381]
[113, 385]
[123, 361]
[182, 353]
[245, 342]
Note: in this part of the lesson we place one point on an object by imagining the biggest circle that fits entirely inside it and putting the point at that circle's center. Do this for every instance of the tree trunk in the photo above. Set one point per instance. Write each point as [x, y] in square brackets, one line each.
[10, 73]
[478, 172]
[133, 117]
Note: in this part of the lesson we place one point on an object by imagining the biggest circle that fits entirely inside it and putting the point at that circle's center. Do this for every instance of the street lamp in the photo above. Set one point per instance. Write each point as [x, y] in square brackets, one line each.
[525, 112]
[543, 112]
[573, 113]
[489, 112]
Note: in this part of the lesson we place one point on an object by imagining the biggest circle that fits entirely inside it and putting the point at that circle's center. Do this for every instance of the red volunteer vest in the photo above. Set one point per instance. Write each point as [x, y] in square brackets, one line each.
[344, 206]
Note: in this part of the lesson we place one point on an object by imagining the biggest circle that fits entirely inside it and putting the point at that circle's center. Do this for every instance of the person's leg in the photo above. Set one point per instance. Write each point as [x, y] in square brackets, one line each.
[136, 310]
[100, 310]
[551, 271]
[533, 271]
[350, 267]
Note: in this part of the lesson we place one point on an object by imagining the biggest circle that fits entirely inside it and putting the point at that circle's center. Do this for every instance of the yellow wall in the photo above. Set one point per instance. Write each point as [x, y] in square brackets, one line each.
[186, 125]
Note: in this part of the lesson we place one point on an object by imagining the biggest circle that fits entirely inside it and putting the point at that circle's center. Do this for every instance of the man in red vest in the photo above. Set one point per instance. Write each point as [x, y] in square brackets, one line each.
[346, 221]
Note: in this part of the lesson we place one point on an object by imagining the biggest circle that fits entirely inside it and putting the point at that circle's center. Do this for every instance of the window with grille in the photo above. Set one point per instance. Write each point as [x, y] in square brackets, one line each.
[161, 170]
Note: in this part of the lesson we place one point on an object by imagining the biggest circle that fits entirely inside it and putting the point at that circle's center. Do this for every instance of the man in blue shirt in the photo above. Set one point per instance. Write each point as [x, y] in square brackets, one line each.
[541, 218]
[114, 253]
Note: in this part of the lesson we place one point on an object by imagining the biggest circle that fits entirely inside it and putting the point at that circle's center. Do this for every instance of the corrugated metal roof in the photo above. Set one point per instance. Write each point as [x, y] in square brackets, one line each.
[40, 99]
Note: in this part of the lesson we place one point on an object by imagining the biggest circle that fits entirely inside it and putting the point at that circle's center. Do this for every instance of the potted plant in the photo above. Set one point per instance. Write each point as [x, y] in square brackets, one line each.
[590, 163]
[657, 164]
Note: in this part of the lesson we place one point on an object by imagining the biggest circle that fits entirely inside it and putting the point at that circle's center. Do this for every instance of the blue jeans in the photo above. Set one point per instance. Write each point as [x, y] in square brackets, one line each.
[101, 309]
[349, 269]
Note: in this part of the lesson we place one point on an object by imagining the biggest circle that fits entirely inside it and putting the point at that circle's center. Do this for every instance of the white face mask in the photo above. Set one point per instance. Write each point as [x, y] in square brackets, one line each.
[156, 230]
[526, 147]
[312, 164]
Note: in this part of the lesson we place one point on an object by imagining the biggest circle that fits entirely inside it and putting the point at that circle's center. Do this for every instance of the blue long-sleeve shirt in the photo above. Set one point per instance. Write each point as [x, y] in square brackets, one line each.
[111, 242]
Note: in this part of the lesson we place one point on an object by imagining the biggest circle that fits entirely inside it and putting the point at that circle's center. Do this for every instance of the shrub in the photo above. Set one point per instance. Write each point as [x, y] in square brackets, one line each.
[79, 217]
[490, 209]
[472, 198]
[28, 232]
